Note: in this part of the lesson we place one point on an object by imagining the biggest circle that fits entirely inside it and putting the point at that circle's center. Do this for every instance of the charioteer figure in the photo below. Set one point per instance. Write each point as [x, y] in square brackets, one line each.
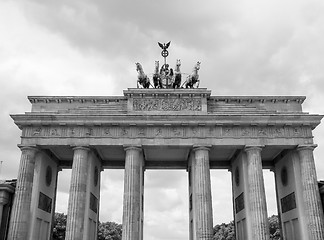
[165, 77]
[166, 74]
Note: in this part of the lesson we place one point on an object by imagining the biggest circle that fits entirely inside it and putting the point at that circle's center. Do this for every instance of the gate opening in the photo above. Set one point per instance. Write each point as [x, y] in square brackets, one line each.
[166, 212]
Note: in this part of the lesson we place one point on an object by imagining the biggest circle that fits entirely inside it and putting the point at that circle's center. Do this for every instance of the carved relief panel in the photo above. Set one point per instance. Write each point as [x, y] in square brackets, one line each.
[167, 104]
[167, 131]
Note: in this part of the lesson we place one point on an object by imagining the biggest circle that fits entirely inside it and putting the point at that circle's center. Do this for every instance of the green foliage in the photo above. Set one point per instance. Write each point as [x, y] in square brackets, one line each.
[59, 226]
[106, 230]
[274, 227]
[109, 231]
[227, 231]
[224, 231]
[113, 231]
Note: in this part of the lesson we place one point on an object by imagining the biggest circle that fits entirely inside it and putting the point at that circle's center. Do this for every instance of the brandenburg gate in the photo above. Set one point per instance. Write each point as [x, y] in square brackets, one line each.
[168, 129]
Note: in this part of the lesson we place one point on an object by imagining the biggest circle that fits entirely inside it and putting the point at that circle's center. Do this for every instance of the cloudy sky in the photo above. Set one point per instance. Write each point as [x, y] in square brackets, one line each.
[86, 47]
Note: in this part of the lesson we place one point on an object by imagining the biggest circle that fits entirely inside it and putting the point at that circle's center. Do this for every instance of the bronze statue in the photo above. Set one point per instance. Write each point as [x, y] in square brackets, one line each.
[194, 77]
[142, 77]
[177, 75]
[156, 76]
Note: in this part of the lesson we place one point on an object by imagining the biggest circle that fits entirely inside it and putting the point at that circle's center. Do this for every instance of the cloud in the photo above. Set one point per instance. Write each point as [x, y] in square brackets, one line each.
[249, 41]
[250, 47]
[111, 199]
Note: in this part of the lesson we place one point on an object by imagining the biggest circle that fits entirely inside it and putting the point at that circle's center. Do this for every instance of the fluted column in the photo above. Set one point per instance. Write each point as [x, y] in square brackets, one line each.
[20, 215]
[202, 194]
[1, 211]
[132, 194]
[256, 194]
[4, 199]
[77, 198]
[312, 200]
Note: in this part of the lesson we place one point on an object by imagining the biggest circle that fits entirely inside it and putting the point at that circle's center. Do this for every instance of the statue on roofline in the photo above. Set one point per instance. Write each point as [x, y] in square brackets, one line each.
[166, 77]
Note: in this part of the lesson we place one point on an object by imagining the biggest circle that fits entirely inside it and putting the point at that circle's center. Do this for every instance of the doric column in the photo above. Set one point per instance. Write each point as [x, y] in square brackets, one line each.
[202, 199]
[4, 199]
[132, 194]
[312, 201]
[256, 194]
[77, 198]
[20, 214]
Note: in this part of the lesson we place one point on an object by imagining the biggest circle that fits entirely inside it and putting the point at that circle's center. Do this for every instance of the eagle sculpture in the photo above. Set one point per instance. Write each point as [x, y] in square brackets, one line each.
[164, 46]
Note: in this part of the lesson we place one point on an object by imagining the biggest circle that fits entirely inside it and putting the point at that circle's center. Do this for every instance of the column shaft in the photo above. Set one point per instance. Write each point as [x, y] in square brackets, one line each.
[20, 214]
[312, 200]
[256, 195]
[202, 194]
[132, 194]
[77, 198]
[1, 211]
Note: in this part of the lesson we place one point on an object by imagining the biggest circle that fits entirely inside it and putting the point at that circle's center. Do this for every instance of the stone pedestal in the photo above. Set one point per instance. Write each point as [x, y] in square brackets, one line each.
[133, 194]
[201, 213]
[77, 198]
[257, 206]
[20, 215]
[311, 197]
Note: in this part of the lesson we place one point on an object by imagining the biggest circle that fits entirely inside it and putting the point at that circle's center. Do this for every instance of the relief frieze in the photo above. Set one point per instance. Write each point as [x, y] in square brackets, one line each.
[168, 131]
[168, 104]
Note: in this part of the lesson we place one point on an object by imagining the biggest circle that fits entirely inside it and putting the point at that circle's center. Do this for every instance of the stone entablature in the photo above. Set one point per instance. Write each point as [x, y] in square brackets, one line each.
[168, 114]
[161, 104]
[167, 131]
[166, 102]
[255, 104]
[66, 104]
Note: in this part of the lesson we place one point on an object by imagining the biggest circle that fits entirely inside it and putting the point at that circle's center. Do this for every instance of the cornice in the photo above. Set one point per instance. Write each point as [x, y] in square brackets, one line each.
[179, 92]
[75, 99]
[165, 93]
[311, 120]
[258, 99]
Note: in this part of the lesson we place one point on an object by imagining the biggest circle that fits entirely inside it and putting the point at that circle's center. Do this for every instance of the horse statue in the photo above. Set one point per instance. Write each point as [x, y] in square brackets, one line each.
[194, 77]
[142, 77]
[177, 75]
[156, 76]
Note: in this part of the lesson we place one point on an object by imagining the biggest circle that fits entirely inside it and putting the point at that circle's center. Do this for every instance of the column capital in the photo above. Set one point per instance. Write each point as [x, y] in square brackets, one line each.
[82, 147]
[306, 147]
[132, 147]
[4, 197]
[248, 148]
[201, 147]
[28, 147]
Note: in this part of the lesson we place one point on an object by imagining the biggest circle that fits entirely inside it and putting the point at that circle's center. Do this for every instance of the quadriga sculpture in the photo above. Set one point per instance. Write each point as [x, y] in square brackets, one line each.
[177, 75]
[194, 77]
[142, 78]
[157, 81]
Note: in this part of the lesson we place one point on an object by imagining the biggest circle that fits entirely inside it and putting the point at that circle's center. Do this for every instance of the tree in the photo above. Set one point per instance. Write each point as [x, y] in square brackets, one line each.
[106, 230]
[227, 231]
[59, 226]
[109, 231]
[274, 227]
[224, 231]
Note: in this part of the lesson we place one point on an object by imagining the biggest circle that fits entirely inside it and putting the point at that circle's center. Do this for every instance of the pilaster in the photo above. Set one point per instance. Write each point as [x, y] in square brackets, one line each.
[20, 215]
[256, 194]
[201, 194]
[132, 205]
[311, 197]
[77, 198]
